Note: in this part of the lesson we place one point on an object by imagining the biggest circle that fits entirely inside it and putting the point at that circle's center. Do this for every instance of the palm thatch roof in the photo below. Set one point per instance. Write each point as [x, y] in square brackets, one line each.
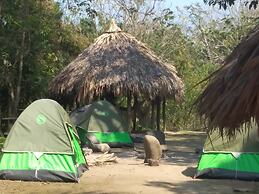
[116, 63]
[232, 95]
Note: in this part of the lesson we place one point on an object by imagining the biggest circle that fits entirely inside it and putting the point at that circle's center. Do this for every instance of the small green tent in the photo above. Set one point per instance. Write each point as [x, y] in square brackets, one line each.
[236, 158]
[42, 146]
[104, 121]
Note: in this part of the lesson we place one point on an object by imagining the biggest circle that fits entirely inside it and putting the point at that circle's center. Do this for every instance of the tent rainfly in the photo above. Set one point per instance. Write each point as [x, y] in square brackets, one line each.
[232, 95]
[42, 146]
[231, 158]
[102, 120]
[117, 64]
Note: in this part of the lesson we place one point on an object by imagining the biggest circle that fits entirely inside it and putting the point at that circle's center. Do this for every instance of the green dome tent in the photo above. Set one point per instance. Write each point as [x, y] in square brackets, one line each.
[42, 146]
[235, 158]
[104, 121]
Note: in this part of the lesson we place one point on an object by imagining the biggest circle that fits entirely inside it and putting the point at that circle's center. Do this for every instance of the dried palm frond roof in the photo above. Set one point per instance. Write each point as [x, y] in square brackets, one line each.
[118, 63]
[232, 95]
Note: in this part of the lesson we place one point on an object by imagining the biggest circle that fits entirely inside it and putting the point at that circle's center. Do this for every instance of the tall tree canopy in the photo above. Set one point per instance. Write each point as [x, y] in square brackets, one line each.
[35, 44]
[226, 3]
[38, 38]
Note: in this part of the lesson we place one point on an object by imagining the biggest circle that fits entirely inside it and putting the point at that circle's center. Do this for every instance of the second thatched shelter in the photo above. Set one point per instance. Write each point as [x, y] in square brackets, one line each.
[116, 64]
[232, 96]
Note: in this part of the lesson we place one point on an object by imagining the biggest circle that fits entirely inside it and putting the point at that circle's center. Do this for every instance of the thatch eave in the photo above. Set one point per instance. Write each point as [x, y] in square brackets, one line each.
[232, 95]
[116, 63]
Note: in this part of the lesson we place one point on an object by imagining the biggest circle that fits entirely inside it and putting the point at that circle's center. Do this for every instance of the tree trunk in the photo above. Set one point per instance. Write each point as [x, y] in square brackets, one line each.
[1, 3]
[158, 103]
[16, 88]
[11, 100]
[20, 74]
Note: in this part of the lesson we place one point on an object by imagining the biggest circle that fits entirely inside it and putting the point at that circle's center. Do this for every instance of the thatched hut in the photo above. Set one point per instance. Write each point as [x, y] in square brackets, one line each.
[117, 64]
[232, 95]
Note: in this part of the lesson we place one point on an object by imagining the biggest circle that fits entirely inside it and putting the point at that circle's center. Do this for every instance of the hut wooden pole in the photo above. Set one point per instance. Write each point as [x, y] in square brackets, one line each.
[135, 113]
[257, 122]
[152, 114]
[1, 132]
[129, 110]
[158, 104]
[164, 115]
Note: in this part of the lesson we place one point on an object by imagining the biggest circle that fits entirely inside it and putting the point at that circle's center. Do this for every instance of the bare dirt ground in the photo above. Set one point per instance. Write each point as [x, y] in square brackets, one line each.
[130, 175]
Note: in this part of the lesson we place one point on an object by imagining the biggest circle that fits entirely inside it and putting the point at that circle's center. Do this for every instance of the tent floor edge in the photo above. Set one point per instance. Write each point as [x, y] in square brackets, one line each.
[115, 139]
[39, 175]
[120, 145]
[218, 173]
[81, 169]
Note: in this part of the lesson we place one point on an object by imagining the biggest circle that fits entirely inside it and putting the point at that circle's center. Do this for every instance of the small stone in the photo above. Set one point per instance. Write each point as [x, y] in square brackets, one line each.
[103, 147]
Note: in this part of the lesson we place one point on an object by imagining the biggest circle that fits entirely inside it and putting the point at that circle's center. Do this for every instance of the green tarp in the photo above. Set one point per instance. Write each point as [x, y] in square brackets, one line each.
[42, 146]
[234, 158]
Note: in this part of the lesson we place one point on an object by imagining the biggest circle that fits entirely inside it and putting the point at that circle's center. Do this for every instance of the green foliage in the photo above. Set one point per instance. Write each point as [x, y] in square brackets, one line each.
[195, 55]
[227, 3]
[50, 45]
[74, 10]
[55, 33]
[88, 28]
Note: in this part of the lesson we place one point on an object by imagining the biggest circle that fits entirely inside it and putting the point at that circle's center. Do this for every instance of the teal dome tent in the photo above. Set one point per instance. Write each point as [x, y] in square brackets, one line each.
[104, 121]
[42, 146]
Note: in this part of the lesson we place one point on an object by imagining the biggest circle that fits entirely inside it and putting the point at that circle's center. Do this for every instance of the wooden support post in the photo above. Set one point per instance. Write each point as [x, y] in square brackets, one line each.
[257, 122]
[1, 132]
[135, 113]
[158, 103]
[152, 114]
[109, 96]
[164, 115]
[129, 110]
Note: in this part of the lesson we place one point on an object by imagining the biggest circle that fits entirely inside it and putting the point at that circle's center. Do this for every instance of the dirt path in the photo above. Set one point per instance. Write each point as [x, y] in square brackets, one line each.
[130, 175]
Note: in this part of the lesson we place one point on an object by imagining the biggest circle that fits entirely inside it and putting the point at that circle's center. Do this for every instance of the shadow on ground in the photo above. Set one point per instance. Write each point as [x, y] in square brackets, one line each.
[179, 149]
[207, 186]
[98, 192]
[181, 152]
